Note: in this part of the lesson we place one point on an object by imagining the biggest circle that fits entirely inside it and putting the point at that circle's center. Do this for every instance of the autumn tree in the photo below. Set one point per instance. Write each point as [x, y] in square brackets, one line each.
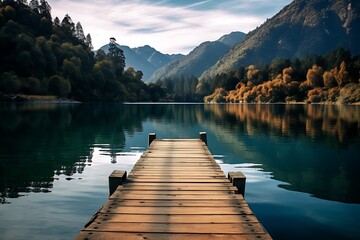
[329, 79]
[314, 76]
[342, 76]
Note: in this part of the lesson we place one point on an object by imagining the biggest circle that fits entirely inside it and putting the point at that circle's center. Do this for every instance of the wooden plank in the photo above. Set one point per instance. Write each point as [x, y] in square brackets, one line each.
[172, 155]
[172, 197]
[177, 192]
[176, 150]
[173, 180]
[149, 173]
[183, 169]
[176, 203]
[90, 235]
[176, 177]
[229, 228]
[174, 184]
[176, 210]
[174, 159]
[135, 218]
[178, 168]
[183, 188]
[175, 164]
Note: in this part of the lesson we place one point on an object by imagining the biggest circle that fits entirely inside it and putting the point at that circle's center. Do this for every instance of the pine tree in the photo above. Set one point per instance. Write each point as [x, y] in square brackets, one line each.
[34, 5]
[117, 57]
[45, 9]
[56, 21]
[79, 32]
[88, 41]
[68, 25]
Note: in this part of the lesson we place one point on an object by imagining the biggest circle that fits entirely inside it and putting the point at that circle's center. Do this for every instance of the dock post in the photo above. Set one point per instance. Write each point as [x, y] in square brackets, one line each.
[152, 137]
[238, 180]
[116, 178]
[203, 137]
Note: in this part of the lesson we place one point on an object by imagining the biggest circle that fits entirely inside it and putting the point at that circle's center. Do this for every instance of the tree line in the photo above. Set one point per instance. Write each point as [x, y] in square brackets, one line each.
[333, 77]
[45, 56]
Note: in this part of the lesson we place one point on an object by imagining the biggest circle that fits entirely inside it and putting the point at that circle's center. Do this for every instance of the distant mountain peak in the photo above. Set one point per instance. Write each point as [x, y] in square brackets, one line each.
[146, 58]
[199, 59]
[232, 38]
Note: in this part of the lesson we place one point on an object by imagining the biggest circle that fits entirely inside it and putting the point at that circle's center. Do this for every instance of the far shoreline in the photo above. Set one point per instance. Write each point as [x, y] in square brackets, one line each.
[50, 99]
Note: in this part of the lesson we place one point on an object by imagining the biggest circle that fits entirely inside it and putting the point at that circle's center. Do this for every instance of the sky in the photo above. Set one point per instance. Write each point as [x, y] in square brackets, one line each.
[169, 26]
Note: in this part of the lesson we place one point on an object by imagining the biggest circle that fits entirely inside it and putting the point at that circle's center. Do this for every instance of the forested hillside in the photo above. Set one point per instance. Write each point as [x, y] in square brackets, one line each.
[45, 56]
[332, 78]
[303, 27]
[199, 59]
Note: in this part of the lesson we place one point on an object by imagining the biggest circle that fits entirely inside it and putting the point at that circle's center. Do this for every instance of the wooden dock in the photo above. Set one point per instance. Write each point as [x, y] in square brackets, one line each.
[175, 191]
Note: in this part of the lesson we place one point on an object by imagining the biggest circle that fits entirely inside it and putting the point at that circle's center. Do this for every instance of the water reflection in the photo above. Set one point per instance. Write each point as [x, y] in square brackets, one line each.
[39, 142]
[314, 148]
[315, 121]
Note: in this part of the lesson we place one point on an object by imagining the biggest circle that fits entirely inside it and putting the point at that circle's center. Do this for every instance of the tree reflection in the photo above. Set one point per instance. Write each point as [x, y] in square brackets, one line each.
[39, 141]
[314, 148]
[314, 121]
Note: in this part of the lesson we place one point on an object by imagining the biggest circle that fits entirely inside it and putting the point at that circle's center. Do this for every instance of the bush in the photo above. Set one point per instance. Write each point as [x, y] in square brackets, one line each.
[59, 86]
[9, 83]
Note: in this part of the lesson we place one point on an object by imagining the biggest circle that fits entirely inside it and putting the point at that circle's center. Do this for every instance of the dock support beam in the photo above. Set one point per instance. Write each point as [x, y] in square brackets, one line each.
[116, 178]
[203, 137]
[238, 180]
[152, 137]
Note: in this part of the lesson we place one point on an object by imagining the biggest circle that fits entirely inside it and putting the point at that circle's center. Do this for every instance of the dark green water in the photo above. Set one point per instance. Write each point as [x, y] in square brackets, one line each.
[301, 161]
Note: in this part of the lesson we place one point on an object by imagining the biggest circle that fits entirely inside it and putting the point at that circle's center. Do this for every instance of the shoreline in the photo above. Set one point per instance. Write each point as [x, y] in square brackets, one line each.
[38, 99]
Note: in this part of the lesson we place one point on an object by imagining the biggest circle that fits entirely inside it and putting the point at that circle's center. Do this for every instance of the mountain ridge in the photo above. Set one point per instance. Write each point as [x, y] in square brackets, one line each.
[146, 58]
[199, 59]
[300, 28]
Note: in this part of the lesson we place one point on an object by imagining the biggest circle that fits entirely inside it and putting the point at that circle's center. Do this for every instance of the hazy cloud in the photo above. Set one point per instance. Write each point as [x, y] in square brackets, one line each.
[169, 26]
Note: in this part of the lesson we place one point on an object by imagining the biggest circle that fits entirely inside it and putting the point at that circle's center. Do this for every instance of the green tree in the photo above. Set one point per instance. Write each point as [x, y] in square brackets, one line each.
[59, 86]
[68, 25]
[79, 32]
[117, 57]
[45, 9]
[34, 5]
[88, 41]
[9, 83]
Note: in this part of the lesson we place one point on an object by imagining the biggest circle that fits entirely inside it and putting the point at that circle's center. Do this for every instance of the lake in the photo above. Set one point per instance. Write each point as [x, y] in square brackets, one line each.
[301, 161]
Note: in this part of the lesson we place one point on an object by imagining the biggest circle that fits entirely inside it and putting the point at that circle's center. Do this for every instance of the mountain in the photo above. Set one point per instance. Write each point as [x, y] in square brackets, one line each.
[155, 57]
[301, 28]
[200, 59]
[145, 59]
[232, 39]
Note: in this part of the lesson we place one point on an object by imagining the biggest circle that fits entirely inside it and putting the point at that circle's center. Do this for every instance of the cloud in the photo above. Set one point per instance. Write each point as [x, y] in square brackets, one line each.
[168, 26]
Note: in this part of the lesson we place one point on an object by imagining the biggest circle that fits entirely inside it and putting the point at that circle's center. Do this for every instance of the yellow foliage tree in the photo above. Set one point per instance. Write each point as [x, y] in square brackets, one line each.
[314, 76]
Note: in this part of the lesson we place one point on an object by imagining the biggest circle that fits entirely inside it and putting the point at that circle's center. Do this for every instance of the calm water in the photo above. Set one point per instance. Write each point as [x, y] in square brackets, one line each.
[301, 161]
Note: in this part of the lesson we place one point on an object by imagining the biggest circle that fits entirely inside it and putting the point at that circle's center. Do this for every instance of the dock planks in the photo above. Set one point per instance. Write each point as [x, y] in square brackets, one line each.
[175, 191]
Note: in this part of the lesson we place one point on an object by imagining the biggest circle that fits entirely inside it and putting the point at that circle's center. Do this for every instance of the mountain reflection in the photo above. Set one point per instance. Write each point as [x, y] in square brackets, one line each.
[314, 148]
